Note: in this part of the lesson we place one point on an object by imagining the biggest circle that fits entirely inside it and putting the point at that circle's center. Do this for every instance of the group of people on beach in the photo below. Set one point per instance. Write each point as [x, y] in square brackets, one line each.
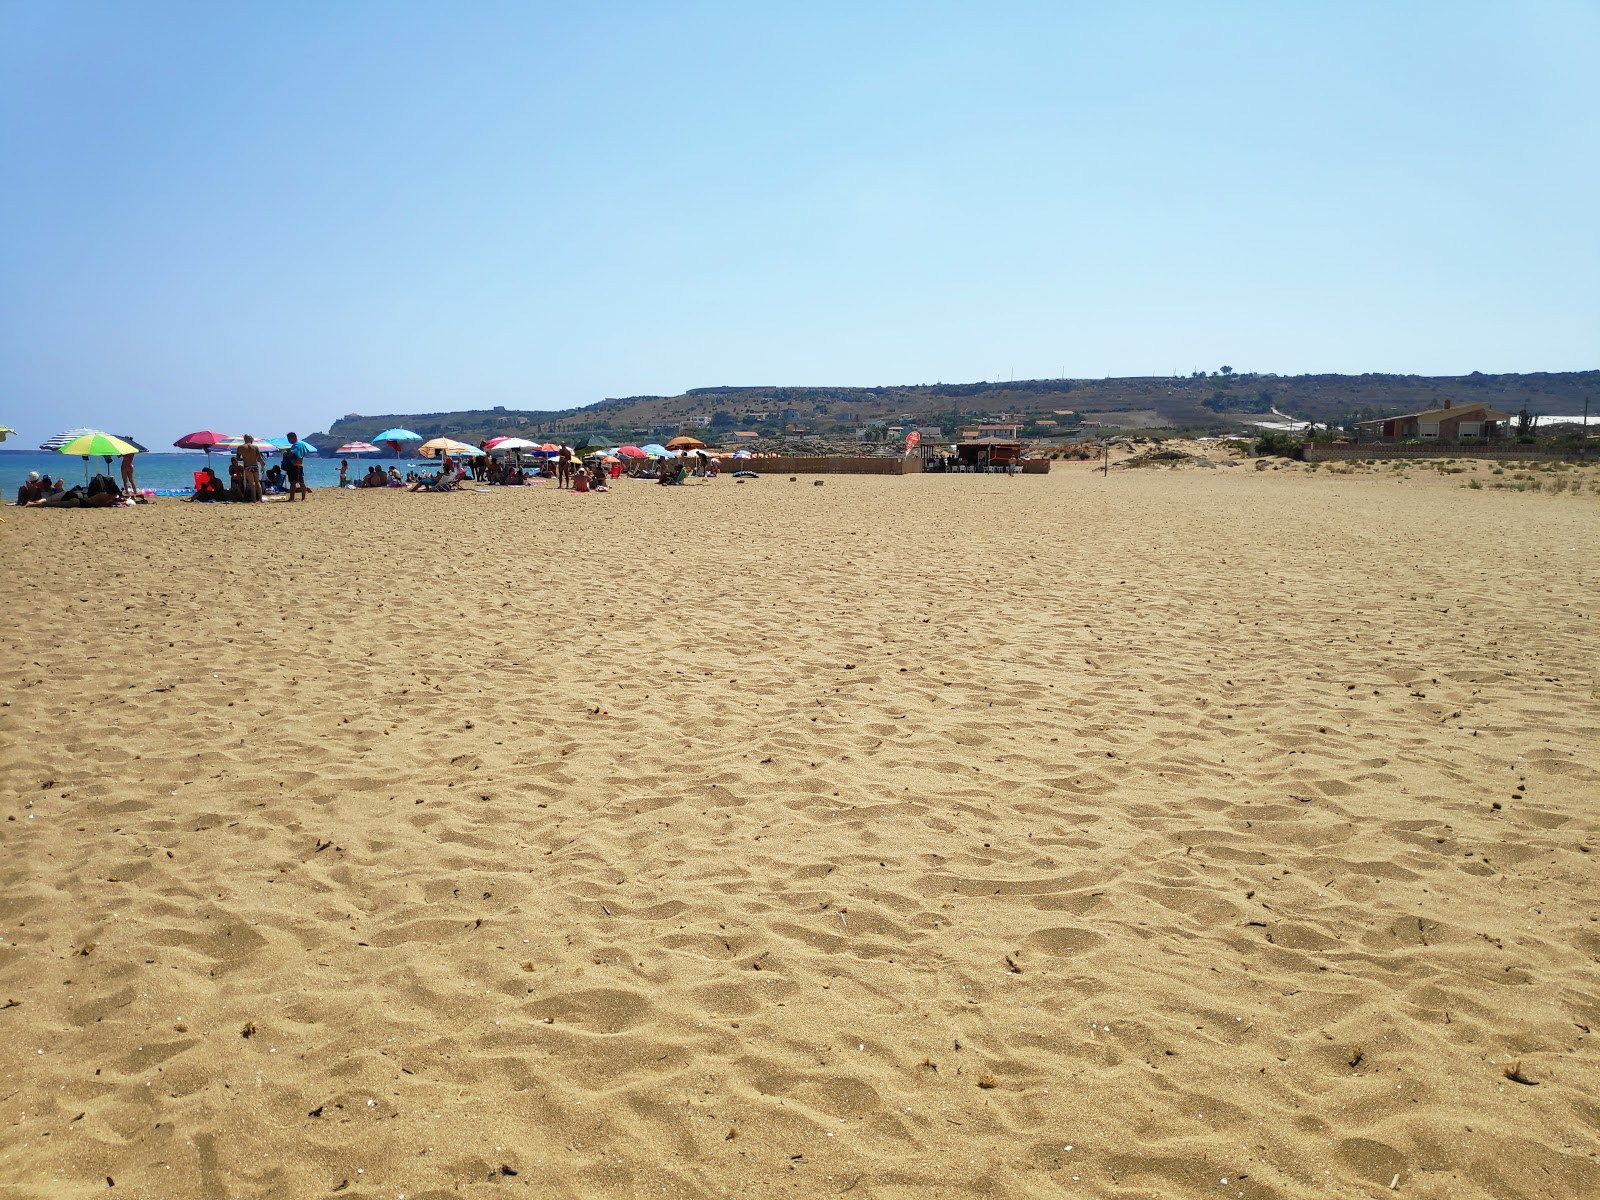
[569, 472]
[246, 481]
[40, 491]
[376, 477]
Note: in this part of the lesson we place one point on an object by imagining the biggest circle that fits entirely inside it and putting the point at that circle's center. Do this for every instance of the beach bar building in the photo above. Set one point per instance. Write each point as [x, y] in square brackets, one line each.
[1474, 423]
[988, 453]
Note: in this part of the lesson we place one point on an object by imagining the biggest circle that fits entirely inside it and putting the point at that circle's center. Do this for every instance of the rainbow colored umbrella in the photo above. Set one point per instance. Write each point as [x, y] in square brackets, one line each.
[92, 443]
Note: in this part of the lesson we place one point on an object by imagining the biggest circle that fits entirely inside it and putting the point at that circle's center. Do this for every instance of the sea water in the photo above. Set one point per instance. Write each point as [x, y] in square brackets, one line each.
[174, 471]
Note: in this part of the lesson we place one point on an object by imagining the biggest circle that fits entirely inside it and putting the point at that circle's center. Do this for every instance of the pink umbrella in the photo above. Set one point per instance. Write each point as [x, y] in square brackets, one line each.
[358, 448]
[202, 440]
[631, 452]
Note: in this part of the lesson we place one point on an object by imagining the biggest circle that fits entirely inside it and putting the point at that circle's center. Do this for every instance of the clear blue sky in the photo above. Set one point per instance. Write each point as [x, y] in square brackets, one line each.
[234, 215]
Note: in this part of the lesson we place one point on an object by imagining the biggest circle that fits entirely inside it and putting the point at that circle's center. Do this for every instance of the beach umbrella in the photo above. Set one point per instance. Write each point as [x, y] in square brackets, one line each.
[684, 442]
[281, 444]
[97, 443]
[358, 448]
[395, 436]
[631, 452]
[657, 450]
[61, 439]
[202, 439]
[743, 454]
[511, 443]
[104, 444]
[234, 441]
[448, 446]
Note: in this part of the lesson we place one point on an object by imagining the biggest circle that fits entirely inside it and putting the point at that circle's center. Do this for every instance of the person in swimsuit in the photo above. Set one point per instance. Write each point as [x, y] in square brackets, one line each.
[294, 465]
[250, 458]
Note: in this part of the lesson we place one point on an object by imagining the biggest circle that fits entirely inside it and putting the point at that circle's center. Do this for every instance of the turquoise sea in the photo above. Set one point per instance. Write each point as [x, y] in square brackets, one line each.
[171, 472]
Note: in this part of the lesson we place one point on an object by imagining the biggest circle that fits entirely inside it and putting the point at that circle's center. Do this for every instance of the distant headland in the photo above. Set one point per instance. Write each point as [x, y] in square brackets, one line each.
[1204, 401]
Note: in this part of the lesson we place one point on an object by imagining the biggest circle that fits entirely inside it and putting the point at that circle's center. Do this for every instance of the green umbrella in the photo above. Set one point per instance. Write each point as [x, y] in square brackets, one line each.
[103, 444]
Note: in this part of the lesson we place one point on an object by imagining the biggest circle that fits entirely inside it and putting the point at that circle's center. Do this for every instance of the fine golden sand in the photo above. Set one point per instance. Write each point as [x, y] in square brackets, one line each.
[1176, 832]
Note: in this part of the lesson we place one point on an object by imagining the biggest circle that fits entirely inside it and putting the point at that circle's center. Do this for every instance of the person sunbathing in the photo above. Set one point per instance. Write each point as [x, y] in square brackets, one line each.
[209, 489]
[35, 487]
[73, 497]
[443, 482]
[101, 492]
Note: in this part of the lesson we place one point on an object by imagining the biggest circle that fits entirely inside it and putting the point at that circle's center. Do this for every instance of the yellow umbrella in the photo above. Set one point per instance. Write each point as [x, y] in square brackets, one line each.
[448, 446]
[102, 444]
[97, 444]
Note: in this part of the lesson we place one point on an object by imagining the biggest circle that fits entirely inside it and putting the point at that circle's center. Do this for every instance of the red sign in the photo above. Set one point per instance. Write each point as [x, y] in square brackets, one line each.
[912, 439]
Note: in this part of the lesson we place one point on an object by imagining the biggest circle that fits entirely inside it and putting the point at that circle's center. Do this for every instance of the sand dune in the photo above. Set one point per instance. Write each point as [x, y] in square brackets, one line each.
[1172, 833]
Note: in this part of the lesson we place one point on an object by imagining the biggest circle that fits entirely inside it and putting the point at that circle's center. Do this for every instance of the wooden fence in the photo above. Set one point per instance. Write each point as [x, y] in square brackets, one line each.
[1390, 450]
[828, 464]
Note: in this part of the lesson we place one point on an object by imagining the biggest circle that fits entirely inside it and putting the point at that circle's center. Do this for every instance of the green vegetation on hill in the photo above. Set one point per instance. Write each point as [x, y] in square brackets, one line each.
[1202, 401]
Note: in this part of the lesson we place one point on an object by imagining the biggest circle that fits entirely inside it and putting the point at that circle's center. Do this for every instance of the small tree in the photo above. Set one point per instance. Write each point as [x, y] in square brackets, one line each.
[1274, 443]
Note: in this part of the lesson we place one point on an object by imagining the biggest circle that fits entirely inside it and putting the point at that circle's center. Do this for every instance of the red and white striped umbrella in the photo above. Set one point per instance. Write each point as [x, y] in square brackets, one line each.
[358, 448]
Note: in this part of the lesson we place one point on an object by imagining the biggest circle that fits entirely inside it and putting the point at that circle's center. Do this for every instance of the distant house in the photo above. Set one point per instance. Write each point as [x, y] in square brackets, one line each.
[1007, 432]
[746, 434]
[1468, 423]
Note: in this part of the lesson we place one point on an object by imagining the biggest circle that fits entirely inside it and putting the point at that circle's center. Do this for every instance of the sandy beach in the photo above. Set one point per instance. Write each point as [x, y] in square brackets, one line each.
[1223, 832]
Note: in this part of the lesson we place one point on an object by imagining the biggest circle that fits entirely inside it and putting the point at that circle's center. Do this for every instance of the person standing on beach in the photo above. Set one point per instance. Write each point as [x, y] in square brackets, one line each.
[294, 465]
[564, 467]
[250, 459]
[127, 474]
[344, 472]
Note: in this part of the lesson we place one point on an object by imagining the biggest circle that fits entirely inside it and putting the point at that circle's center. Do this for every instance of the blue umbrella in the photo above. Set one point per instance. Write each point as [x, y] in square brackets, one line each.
[284, 443]
[395, 436]
[657, 450]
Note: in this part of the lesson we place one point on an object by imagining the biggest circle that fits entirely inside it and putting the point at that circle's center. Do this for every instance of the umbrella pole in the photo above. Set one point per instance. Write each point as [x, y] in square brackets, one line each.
[85, 470]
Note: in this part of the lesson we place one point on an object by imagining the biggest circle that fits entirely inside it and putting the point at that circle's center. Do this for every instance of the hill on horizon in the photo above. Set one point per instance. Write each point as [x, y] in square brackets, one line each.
[1202, 402]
